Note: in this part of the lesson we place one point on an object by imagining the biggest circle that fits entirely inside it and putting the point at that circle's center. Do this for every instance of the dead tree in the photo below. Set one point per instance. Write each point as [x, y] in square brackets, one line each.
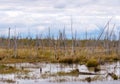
[99, 37]
[37, 45]
[72, 52]
[64, 42]
[75, 41]
[9, 38]
[60, 41]
[118, 49]
[15, 45]
[49, 39]
[55, 48]
[112, 43]
[107, 39]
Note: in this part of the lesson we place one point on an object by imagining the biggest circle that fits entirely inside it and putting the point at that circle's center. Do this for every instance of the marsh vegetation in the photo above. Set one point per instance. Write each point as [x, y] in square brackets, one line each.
[59, 51]
[104, 47]
[63, 73]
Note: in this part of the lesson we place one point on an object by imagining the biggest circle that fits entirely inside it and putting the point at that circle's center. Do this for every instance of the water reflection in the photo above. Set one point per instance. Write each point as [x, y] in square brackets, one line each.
[46, 73]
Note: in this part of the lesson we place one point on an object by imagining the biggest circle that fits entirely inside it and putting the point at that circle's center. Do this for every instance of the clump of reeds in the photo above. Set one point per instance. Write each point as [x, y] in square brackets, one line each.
[92, 63]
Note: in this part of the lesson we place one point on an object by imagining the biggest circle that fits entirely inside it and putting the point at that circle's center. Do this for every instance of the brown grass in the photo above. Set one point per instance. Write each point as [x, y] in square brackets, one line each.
[81, 56]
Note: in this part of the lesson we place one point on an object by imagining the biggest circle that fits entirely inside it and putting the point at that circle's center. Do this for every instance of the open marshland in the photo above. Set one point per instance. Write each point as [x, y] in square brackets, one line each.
[60, 60]
[57, 73]
[59, 41]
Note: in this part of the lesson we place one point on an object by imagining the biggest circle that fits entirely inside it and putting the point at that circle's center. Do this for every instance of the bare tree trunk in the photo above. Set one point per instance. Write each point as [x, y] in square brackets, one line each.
[112, 43]
[37, 45]
[119, 46]
[72, 52]
[15, 45]
[9, 39]
[60, 40]
[55, 49]
[86, 34]
[107, 41]
[64, 42]
[75, 41]
[49, 39]
[102, 33]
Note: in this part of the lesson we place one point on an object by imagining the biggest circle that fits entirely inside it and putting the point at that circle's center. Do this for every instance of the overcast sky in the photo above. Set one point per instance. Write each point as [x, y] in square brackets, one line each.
[36, 16]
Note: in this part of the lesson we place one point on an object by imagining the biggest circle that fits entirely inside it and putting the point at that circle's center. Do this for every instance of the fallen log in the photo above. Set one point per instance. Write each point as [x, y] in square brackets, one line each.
[89, 73]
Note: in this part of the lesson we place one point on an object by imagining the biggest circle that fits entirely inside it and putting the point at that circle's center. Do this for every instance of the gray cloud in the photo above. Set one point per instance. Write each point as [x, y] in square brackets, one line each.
[38, 15]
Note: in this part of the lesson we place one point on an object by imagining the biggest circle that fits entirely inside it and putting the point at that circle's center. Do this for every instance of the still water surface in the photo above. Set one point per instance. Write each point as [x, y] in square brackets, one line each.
[35, 76]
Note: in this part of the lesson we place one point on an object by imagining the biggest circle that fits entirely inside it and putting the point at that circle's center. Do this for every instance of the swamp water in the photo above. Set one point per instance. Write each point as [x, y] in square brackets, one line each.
[49, 74]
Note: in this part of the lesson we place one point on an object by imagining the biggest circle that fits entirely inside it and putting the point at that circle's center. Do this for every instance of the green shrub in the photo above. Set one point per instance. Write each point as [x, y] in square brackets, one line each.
[88, 79]
[92, 63]
[68, 60]
[114, 76]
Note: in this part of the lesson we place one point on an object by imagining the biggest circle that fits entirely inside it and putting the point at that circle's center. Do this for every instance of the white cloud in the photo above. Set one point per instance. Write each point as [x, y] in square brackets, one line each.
[13, 13]
[41, 14]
